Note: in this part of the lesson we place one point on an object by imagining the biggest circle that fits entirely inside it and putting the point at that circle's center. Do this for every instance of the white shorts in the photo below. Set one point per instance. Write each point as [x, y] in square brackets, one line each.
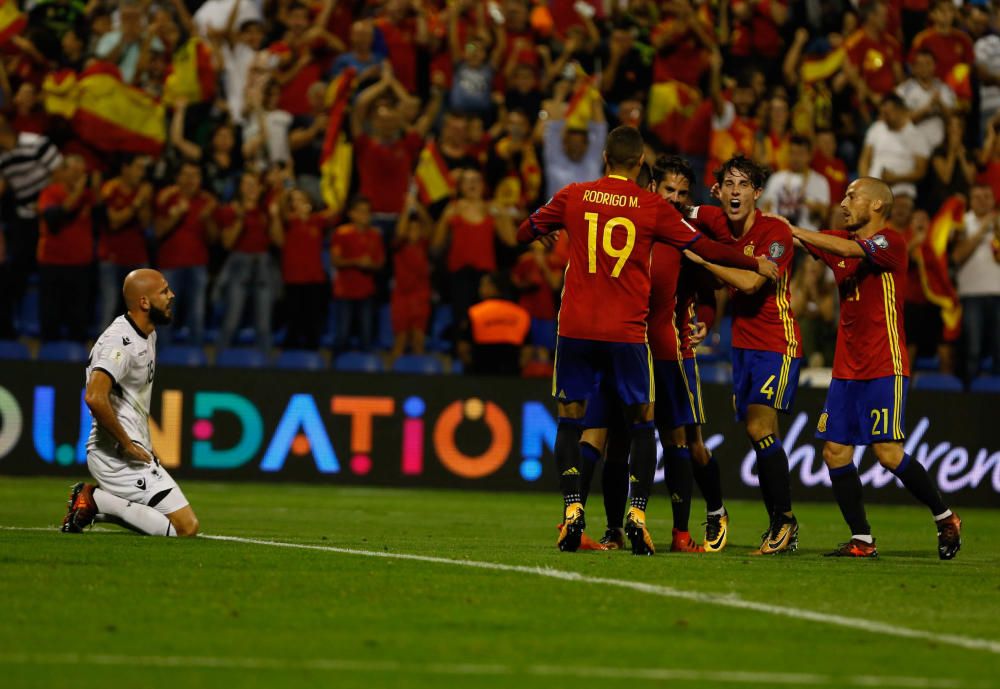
[146, 484]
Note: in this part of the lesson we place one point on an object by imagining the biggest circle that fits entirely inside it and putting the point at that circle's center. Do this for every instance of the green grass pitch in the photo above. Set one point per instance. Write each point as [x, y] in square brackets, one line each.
[110, 609]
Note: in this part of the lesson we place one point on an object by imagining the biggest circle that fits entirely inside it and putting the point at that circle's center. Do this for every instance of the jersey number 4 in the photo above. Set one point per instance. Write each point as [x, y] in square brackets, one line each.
[620, 255]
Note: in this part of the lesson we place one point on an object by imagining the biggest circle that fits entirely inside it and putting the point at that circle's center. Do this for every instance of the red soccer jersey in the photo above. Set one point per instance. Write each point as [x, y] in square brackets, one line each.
[253, 237]
[352, 243]
[949, 50]
[663, 331]
[73, 243]
[186, 244]
[870, 339]
[763, 320]
[612, 224]
[125, 246]
[302, 254]
[472, 244]
[874, 59]
[536, 297]
[384, 169]
[411, 268]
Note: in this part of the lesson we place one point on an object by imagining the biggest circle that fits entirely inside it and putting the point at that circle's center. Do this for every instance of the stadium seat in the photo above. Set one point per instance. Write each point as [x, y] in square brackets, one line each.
[63, 351]
[241, 358]
[182, 355]
[300, 359]
[927, 363]
[941, 382]
[12, 350]
[417, 363]
[384, 337]
[360, 362]
[715, 373]
[986, 384]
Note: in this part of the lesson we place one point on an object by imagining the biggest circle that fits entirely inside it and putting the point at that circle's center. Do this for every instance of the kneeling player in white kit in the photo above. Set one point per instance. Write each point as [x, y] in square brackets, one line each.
[132, 489]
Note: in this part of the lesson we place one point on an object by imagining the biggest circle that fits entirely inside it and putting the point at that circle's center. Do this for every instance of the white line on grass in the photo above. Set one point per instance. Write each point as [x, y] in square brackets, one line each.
[729, 601]
[486, 670]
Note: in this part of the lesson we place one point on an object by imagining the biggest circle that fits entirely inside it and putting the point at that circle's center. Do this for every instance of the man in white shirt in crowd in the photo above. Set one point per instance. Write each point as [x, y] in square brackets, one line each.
[574, 154]
[928, 99]
[894, 150]
[981, 21]
[799, 194]
[977, 256]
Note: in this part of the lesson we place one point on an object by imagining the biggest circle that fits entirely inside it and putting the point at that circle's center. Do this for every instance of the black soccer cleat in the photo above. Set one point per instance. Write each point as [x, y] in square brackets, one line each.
[613, 539]
[638, 535]
[949, 531]
[571, 532]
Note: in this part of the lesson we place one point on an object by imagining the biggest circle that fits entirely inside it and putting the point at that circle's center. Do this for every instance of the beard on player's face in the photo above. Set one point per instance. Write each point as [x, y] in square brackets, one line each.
[161, 316]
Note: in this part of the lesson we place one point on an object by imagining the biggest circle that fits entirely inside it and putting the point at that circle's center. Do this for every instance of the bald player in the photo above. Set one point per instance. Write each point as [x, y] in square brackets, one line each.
[867, 396]
[132, 489]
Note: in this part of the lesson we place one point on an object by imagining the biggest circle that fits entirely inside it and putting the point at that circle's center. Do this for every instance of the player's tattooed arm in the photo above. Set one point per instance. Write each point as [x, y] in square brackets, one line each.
[98, 399]
[838, 246]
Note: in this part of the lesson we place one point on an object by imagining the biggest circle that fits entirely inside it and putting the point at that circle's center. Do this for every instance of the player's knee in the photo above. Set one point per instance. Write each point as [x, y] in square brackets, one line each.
[758, 428]
[836, 456]
[888, 455]
[187, 527]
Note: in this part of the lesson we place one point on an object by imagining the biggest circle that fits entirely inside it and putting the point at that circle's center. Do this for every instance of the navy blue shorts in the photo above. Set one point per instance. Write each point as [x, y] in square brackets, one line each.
[765, 378]
[580, 366]
[862, 412]
[679, 386]
[601, 405]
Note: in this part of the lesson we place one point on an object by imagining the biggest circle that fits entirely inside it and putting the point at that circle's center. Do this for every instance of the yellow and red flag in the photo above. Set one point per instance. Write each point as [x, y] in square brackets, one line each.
[105, 112]
[433, 178]
[192, 74]
[932, 266]
[579, 110]
[336, 158]
[959, 80]
[12, 20]
[671, 106]
[821, 67]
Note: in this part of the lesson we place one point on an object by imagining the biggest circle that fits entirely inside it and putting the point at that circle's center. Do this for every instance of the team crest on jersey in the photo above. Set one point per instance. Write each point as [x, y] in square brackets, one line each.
[880, 241]
[748, 250]
[776, 250]
[841, 265]
[117, 355]
[821, 426]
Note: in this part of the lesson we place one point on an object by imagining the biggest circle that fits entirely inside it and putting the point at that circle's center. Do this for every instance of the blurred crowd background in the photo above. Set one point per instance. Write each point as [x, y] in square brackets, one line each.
[336, 179]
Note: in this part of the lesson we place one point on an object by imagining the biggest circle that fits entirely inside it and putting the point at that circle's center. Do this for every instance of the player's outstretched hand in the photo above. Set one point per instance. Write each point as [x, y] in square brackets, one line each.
[767, 268]
[694, 258]
[134, 452]
[549, 240]
[698, 333]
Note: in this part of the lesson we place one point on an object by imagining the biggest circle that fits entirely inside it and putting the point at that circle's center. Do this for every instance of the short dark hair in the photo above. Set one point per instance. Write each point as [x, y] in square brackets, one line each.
[624, 147]
[757, 174]
[673, 165]
[894, 98]
[924, 51]
[645, 176]
[357, 200]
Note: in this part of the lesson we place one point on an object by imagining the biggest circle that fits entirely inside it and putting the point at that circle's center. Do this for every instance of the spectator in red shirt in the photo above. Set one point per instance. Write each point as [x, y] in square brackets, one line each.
[827, 163]
[949, 46]
[386, 150]
[245, 233]
[410, 305]
[470, 227]
[301, 54]
[121, 247]
[183, 221]
[300, 234]
[66, 252]
[874, 56]
[756, 35]
[357, 253]
[537, 281]
[683, 42]
[27, 113]
[403, 27]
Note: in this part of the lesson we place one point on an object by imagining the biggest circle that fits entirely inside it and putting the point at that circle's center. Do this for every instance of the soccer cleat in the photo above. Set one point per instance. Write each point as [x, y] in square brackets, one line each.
[782, 537]
[81, 508]
[949, 532]
[716, 532]
[635, 529]
[586, 542]
[855, 548]
[613, 539]
[571, 532]
[683, 543]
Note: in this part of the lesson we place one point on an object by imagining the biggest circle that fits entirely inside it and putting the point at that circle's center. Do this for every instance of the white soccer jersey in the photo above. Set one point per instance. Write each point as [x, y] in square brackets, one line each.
[129, 357]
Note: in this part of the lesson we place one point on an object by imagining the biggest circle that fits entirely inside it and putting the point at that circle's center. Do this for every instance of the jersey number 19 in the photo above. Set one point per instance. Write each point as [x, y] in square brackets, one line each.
[621, 255]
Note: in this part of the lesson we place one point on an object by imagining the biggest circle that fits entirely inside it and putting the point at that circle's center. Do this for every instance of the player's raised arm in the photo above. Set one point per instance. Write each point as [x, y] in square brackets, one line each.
[832, 244]
[743, 280]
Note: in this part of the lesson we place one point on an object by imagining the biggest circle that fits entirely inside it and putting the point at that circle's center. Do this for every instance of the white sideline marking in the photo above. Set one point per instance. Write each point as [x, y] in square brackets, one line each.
[727, 601]
[474, 669]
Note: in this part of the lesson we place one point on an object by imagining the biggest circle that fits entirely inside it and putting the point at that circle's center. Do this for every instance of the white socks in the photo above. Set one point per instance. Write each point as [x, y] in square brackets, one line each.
[139, 517]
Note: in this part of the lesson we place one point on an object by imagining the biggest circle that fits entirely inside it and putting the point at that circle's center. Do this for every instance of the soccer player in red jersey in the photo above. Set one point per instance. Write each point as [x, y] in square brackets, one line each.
[612, 224]
[867, 397]
[767, 346]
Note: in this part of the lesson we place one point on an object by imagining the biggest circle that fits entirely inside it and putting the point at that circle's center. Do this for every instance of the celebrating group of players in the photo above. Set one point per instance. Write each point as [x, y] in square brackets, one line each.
[639, 297]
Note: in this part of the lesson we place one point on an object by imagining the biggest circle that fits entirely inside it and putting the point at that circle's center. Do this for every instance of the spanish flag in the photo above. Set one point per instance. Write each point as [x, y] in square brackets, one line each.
[959, 80]
[932, 266]
[12, 20]
[192, 74]
[671, 106]
[579, 110]
[821, 67]
[433, 178]
[105, 112]
[336, 158]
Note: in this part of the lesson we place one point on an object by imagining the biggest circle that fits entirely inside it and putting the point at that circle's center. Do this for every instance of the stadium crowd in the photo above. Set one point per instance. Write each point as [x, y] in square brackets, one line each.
[327, 172]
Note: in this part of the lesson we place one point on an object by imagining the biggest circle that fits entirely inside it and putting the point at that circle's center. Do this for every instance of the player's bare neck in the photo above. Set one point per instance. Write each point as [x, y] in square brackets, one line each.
[141, 322]
[870, 228]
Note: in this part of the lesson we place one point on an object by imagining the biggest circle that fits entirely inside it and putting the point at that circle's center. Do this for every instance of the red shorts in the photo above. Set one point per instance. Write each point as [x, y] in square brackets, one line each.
[409, 311]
